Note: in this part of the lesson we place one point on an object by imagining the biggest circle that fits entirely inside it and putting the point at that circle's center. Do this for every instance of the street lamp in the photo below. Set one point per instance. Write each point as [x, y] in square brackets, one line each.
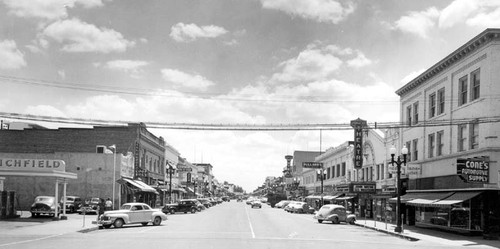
[321, 175]
[114, 172]
[205, 192]
[170, 171]
[398, 163]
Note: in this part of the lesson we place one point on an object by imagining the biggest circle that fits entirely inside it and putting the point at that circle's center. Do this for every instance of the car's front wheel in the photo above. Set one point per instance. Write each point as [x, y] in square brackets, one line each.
[193, 210]
[157, 221]
[118, 223]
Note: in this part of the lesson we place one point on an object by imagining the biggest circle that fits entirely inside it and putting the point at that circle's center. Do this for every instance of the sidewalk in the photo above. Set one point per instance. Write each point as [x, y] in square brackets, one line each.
[46, 225]
[413, 233]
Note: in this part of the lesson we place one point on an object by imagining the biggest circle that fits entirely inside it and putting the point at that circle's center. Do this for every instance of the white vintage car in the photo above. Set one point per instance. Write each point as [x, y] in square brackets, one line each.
[131, 213]
[335, 214]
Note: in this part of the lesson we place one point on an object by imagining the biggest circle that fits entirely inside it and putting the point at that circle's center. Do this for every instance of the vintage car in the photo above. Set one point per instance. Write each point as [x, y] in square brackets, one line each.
[90, 206]
[335, 214]
[73, 203]
[256, 204]
[186, 205]
[131, 213]
[302, 208]
[282, 204]
[44, 205]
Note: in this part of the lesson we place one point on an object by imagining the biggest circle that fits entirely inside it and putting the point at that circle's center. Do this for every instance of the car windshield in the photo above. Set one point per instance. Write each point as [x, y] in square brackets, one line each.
[44, 199]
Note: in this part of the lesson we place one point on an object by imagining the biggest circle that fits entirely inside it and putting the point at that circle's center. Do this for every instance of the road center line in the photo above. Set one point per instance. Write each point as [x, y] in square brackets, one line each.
[250, 223]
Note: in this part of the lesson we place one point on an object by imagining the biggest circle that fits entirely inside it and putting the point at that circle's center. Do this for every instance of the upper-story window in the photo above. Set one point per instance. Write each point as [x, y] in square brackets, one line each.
[439, 143]
[343, 169]
[415, 149]
[415, 113]
[408, 146]
[432, 105]
[474, 135]
[432, 145]
[462, 137]
[462, 90]
[475, 85]
[408, 115]
[440, 99]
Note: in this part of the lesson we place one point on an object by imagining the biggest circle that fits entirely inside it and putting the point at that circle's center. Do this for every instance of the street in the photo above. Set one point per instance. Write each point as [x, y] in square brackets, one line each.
[228, 225]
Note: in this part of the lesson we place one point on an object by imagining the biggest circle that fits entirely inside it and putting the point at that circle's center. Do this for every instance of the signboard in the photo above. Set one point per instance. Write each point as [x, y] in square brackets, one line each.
[474, 169]
[343, 188]
[184, 169]
[412, 169]
[314, 165]
[364, 188]
[358, 126]
[32, 164]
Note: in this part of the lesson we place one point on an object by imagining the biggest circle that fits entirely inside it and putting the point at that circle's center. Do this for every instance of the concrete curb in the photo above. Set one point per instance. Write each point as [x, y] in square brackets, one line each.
[90, 229]
[402, 236]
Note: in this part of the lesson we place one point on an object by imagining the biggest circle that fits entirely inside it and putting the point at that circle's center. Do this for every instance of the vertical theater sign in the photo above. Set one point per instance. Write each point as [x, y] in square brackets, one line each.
[358, 126]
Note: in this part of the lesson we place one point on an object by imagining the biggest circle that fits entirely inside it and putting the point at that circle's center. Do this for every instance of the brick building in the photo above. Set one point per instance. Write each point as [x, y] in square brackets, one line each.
[137, 167]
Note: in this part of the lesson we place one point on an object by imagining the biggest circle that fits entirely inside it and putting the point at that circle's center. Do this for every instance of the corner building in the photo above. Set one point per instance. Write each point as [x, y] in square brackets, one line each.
[451, 115]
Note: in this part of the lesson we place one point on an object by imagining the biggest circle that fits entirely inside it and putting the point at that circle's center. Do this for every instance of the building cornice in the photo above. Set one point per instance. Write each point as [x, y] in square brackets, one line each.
[473, 45]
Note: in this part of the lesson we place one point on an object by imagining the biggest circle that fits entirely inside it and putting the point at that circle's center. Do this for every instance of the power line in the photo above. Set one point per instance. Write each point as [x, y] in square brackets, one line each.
[249, 127]
[186, 95]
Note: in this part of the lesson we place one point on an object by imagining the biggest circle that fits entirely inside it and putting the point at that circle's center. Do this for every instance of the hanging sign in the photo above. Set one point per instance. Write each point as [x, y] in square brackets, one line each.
[358, 126]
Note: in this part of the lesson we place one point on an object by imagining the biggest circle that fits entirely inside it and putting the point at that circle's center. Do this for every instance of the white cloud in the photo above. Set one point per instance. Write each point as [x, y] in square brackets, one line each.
[319, 10]
[457, 12]
[78, 36]
[46, 9]
[319, 63]
[132, 67]
[12, 58]
[184, 80]
[488, 20]
[181, 32]
[418, 23]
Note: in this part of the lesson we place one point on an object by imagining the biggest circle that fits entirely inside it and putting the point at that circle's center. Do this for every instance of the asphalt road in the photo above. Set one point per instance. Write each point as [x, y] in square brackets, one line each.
[228, 225]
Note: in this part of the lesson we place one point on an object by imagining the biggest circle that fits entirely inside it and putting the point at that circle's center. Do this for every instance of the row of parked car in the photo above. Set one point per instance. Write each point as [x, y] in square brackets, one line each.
[140, 213]
[46, 205]
[330, 212]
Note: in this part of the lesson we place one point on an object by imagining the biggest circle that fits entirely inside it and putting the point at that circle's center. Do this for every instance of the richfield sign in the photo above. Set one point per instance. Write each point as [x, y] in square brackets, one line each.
[358, 126]
[32, 164]
[474, 169]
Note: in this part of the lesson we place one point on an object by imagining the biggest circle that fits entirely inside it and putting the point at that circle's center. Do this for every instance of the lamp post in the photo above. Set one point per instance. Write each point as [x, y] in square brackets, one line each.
[114, 172]
[206, 186]
[194, 190]
[321, 175]
[170, 171]
[398, 163]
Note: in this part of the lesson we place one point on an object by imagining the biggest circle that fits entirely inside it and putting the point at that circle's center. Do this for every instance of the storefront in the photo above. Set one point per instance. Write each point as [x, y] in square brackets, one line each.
[137, 191]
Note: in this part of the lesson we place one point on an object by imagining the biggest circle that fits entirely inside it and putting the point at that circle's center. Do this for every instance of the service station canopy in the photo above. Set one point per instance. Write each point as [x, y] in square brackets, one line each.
[34, 167]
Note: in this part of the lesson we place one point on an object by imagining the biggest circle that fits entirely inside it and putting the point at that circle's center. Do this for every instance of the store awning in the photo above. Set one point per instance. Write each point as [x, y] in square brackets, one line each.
[421, 195]
[331, 197]
[457, 197]
[344, 198]
[139, 185]
[426, 199]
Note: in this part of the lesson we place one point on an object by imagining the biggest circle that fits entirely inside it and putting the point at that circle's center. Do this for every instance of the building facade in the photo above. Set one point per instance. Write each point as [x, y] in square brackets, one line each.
[450, 114]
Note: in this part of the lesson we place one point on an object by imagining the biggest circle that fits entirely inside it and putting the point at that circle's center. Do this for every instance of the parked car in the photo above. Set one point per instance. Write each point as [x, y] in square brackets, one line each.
[335, 214]
[44, 205]
[281, 204]
[73, 203]
[131, 213]
[184, 206]
[205, 202]
[90, 206]
[290, 206]
[256, 204]
[302, 208]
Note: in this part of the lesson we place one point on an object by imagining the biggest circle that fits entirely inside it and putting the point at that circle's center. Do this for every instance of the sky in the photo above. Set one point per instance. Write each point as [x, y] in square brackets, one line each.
[251, 62]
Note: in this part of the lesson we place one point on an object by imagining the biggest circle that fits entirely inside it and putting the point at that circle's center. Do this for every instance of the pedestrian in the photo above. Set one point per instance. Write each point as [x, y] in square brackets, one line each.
[108, 204]
[100, 207]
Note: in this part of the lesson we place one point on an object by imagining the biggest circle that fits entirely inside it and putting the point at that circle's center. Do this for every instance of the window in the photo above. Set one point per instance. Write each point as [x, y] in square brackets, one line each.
[338, 170]
[408, 146]
[432, 145]
[462, 91]
[343, 169]
[415, 149]
[474, 135]
[415, 113]
[432, 105]
[462, 137]
[440, 99]
[408, 115]
[382, 173]
[328, 173]
[439, 143]
[475, 85]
